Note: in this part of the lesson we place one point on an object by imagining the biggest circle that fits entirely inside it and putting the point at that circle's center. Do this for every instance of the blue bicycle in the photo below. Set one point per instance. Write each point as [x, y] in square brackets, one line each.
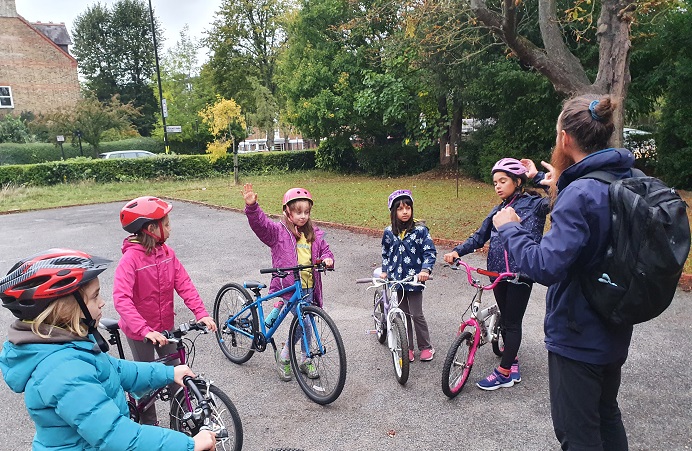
[316, 338]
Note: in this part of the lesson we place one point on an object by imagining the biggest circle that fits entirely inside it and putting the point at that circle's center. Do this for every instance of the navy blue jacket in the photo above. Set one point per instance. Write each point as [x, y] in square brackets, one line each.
[408, 256]
[531, 208]
[580, 226]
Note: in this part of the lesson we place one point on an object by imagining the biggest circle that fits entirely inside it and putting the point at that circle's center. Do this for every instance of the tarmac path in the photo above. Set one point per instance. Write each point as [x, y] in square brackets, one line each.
[374, 412]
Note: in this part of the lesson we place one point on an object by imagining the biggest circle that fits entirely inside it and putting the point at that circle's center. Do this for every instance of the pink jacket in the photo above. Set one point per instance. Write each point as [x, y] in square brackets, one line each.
[283, 248]
[143, 290]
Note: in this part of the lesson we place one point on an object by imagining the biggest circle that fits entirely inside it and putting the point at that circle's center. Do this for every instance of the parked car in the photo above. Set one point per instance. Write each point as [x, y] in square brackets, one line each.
[127, 154]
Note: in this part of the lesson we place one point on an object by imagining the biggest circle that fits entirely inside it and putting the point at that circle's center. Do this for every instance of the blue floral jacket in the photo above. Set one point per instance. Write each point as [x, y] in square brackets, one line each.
[408, 256]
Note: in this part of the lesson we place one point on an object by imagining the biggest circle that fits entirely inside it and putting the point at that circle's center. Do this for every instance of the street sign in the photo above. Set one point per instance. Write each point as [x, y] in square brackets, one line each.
[164, 107]
[174, 128]
[60, 138]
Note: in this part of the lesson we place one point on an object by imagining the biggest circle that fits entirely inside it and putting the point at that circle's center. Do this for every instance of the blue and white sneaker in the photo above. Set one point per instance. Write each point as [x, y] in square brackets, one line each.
[514, 372]
[495, 381]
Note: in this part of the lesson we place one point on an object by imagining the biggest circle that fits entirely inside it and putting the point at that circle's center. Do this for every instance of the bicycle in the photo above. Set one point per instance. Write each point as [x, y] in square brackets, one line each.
[482, 327]
[390, 320]
[241, 334]
[197, 406]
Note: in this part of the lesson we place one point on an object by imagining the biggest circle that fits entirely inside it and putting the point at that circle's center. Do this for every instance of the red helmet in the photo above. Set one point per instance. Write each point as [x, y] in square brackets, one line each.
[136, 213]
[33, 283]
[295, 194]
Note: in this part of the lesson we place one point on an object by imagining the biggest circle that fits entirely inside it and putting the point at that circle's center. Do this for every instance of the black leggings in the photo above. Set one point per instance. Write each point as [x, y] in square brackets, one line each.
[512, 300]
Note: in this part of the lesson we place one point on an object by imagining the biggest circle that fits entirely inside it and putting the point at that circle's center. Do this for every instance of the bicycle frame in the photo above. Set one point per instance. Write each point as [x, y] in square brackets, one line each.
[297, 300]
[484, 332]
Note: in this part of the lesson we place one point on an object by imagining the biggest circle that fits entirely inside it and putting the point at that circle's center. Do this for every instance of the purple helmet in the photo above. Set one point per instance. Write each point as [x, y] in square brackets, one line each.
[398, 194]
[510, 166]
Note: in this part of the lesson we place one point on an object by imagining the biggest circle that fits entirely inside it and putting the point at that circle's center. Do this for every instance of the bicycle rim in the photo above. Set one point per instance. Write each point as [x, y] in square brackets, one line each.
[399, 350]
[458, 364]
[230, 299]
[224, 416]
[326, 353]
[379, 316]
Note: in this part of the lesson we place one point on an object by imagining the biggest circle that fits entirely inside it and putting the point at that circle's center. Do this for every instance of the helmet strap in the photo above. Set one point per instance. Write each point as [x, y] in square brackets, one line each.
[90, 322]
[159, 239]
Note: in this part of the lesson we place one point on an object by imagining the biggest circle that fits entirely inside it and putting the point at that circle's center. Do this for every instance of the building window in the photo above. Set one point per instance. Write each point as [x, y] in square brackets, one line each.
[6, 97]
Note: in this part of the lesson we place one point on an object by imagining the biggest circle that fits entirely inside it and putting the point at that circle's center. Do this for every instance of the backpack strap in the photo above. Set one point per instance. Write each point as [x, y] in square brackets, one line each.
[608, 177]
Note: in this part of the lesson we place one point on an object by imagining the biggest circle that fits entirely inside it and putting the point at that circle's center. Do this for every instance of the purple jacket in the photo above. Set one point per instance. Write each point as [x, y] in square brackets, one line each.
[143, 290]
[283, 248]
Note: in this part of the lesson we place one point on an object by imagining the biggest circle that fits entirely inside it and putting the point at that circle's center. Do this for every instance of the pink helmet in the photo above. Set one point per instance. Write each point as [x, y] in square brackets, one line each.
[295, 194]
[510, 166]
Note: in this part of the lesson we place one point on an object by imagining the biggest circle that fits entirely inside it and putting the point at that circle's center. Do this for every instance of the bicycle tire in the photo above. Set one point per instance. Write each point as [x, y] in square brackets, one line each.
[379, 316]
[224, 415]
[230, 299]
[400, 351]
[498, 331]
[458, 364]
[330, 365]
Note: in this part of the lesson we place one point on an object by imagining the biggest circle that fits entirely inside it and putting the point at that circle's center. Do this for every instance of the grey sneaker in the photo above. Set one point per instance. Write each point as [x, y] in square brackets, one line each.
[283, 367]
[308, 368]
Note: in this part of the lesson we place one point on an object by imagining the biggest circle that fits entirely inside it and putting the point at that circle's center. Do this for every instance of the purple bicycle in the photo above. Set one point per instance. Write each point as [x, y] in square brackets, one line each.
[197, 406]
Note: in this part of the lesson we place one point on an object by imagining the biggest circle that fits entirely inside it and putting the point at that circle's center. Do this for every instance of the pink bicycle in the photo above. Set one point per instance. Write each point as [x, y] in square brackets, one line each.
[483, 326]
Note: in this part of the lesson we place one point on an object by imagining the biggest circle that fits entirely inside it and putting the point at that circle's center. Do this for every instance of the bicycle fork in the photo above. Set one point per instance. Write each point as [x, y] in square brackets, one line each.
[393, 313]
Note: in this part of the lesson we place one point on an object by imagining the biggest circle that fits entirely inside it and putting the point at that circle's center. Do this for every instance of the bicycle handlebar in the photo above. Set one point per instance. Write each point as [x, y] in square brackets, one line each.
[511, 277]
[201, 416]
[319, 265]
[184, 328]
[379, 281]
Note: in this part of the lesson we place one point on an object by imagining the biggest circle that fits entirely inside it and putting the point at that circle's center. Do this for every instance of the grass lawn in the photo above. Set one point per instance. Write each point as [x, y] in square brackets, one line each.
[346, 199]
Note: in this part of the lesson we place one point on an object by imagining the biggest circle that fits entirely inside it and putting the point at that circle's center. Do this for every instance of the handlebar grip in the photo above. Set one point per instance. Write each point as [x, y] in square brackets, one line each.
[363, 280]
[268, 270]
[189, 382]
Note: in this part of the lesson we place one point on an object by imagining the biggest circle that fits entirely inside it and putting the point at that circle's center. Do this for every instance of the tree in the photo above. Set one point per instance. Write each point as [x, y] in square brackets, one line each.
[93, 118]
[245, 41]
[185, 91]
[226, 123]
[115, 51]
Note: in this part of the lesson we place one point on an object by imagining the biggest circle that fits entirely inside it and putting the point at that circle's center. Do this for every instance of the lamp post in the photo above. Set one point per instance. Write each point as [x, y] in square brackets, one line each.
[164, 111]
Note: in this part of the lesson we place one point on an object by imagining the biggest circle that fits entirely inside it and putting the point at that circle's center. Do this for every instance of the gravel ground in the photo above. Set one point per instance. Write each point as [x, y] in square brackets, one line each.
[374, 411]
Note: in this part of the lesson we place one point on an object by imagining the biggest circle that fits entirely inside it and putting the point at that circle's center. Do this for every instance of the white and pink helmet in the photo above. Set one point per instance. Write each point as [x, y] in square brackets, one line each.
[510, 166]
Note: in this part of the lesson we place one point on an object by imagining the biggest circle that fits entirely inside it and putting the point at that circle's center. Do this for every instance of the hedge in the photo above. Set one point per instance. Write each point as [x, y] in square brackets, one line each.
[163, 166]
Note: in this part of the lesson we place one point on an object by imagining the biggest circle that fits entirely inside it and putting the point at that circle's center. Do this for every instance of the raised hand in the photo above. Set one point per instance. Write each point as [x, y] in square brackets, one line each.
[530, 167]
[550, 179]
[248, 194]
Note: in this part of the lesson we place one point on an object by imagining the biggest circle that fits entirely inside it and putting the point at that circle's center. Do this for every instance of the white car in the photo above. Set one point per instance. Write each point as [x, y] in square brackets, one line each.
[640, 142]
[127, 154]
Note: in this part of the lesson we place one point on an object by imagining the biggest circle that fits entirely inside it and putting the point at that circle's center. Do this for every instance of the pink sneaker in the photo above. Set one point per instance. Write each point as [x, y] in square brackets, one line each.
[426, 355]
[411, 357]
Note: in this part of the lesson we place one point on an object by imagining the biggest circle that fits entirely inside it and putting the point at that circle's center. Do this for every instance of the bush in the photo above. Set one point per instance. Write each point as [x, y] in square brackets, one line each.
[14, 130]
[165, 166]
[396, 159]
[336, 154]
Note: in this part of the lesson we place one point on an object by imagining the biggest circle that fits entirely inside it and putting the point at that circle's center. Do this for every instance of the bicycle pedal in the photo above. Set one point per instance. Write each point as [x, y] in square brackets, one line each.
[370, 332]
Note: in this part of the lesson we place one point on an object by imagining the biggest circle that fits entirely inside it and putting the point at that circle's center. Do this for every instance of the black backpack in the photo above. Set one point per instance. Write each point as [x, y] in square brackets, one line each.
[649, 243]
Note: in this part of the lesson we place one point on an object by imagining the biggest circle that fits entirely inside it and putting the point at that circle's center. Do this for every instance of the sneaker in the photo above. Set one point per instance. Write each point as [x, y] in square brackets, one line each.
[426, 355]
[411, 357]
[309, 369]
[495, 381]
[283, 367]
[514, 372]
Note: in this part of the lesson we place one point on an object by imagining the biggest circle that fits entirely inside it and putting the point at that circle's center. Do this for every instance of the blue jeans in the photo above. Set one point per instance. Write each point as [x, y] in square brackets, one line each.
[584, 406]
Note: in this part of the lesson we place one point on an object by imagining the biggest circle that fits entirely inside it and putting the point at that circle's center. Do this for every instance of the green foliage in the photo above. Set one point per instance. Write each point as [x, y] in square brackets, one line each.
[43, 152]
[115, 51]
[13, 130]
[336, 154]
[395, 160]
[162, 167]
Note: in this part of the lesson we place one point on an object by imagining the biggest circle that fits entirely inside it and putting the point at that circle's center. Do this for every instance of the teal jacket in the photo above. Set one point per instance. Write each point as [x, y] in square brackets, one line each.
[74, 393]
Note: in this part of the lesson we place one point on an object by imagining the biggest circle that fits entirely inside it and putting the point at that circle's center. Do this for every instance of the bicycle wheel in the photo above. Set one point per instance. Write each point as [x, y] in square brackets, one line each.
[323, 375]
[379, 316]
[400, 350]
[498, 331]
[224, 415]
[230, 299]
[457, 366]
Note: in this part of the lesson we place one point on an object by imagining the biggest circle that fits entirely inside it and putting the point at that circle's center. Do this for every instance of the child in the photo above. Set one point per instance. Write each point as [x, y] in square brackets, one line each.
[293, 241]
[72, 388]
[145, 279]
[408, 249]
[509, 178]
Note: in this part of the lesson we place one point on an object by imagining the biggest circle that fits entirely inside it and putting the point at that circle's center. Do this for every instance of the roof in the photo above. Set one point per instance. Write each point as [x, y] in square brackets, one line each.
[56, 32]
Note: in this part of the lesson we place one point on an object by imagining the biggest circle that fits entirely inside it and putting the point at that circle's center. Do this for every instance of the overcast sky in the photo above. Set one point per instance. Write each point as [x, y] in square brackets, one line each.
[172, 15]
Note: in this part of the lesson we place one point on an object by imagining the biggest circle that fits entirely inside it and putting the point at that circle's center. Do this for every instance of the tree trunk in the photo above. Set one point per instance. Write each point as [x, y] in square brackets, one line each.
[445, 160]
[270, 138]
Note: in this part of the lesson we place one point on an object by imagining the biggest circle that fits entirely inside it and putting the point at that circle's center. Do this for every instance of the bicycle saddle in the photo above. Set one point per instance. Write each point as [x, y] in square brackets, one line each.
[109, 323]
[250, 284]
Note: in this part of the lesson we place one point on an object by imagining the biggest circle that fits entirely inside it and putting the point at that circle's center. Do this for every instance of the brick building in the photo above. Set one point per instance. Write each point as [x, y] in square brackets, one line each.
[37, 73]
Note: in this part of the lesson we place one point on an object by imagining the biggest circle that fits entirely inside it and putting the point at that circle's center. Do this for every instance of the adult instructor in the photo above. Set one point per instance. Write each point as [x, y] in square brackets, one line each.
[585, 355]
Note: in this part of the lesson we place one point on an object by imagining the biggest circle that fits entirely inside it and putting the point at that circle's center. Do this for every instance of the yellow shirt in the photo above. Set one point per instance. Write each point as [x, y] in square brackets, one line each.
[304, 250]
